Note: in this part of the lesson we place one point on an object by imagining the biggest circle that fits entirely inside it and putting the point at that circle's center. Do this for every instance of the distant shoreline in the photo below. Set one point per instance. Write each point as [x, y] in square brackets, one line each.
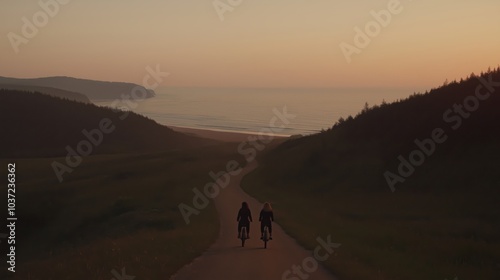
[221, 135]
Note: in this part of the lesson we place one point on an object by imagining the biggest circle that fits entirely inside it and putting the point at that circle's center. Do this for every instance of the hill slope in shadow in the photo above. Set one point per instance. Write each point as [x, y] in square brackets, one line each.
[64, 94]
[38, 125]
[355, 153]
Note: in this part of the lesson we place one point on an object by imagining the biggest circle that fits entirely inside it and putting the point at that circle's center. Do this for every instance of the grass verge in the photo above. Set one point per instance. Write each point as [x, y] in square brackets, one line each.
[385, 236]
[113, 212]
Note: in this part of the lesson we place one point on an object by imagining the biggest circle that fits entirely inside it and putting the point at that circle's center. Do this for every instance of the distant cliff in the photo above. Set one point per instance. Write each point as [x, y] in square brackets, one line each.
[94, 90]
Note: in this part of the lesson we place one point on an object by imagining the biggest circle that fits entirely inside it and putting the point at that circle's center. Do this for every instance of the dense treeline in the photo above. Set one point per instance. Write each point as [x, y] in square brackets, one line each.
[357, 151]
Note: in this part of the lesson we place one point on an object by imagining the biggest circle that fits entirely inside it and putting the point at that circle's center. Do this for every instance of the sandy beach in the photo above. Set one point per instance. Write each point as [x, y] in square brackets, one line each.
[225, 136]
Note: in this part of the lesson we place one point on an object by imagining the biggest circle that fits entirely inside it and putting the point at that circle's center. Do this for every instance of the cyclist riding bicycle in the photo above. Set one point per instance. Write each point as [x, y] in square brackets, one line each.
[266, 218]
[244, 218]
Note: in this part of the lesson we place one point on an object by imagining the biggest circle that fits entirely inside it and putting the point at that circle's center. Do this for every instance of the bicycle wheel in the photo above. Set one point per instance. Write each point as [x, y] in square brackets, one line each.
[243, 235]
[265, 237]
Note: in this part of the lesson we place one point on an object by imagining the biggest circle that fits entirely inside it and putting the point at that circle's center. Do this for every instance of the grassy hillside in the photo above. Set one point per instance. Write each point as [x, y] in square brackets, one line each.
[90, 88]
[38, 125]
[441, 222]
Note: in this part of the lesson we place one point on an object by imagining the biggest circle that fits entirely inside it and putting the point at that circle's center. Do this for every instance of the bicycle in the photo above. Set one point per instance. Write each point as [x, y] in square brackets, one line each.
[265, 236]
[243, 236]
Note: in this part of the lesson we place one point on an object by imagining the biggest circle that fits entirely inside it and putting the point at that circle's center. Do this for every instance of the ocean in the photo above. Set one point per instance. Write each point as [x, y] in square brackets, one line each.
[250, 110]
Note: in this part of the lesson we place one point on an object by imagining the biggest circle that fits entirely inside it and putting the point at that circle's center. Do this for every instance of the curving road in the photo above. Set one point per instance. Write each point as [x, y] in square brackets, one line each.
[226, 259]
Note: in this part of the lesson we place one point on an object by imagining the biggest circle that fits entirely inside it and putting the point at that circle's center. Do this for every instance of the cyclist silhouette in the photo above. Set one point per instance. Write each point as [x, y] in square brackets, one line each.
[244, 218]
[266, 218]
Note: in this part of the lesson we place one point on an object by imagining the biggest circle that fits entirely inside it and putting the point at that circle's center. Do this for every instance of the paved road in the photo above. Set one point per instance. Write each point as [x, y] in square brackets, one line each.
[227, 260]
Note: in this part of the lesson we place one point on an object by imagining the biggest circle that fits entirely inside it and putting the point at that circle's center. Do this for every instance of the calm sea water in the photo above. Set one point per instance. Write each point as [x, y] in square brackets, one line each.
[250, 110]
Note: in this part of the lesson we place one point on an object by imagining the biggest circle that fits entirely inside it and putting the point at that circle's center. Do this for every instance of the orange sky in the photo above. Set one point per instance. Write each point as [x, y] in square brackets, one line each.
[260, 43]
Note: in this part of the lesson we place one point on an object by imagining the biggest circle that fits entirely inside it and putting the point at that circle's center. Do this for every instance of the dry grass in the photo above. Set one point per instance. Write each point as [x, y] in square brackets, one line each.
[113, 211]
[388, 236]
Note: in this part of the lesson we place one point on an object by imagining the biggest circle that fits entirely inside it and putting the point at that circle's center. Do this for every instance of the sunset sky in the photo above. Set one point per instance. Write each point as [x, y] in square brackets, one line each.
[261, 43]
